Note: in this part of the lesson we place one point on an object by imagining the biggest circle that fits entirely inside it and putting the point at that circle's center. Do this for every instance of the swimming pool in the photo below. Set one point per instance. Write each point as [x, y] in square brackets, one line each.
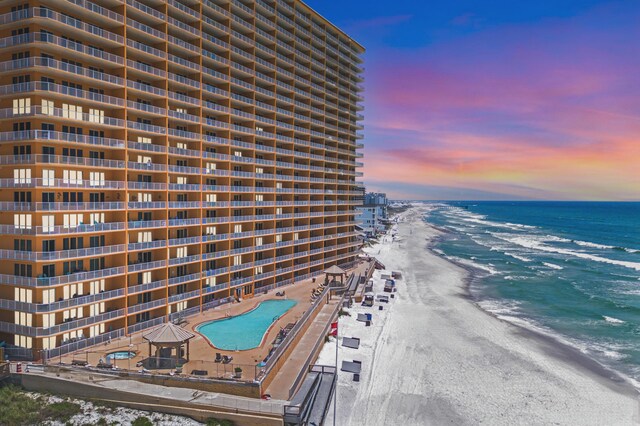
[121, 355]
[245, 331]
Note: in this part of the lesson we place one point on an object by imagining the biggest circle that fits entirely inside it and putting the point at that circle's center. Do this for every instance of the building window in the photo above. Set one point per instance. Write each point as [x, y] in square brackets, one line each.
[47, 107]
[96, 179]
[96, 116]
[23, 341]
[96, 287]
[48, 177]
[22, 270]
[21, 106]
[23, 318]
[72, 177]
[72, 220]
[95, 218]
[24, 295]
[48, 223]
[22, 221]
[73, 112]
[48, 320]
[73, 290]
[21, 176]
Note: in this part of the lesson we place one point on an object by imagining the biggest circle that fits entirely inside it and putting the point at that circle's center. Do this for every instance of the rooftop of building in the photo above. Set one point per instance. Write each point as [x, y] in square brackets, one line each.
[331, 24]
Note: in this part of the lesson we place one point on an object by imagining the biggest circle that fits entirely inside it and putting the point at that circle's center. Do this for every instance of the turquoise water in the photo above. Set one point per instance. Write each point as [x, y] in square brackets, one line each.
[245, 331]
[120, 355]
[571, 270]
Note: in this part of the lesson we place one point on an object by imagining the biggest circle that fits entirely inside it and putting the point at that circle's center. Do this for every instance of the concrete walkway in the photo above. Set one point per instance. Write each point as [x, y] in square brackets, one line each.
[279, 387]
[102, 386]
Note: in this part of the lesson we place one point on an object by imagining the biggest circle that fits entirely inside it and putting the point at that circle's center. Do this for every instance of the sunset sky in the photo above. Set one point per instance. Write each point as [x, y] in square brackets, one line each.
[498, 99]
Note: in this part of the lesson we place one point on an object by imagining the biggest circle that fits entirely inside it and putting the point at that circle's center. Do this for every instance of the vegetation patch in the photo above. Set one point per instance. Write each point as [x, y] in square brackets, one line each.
[219, 422]
[142, 421]
[18, 408]
[60, 411]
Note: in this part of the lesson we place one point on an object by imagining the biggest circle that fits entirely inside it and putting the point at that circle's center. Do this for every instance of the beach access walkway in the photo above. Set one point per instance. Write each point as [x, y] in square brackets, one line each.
[307, 349]
[303, 354]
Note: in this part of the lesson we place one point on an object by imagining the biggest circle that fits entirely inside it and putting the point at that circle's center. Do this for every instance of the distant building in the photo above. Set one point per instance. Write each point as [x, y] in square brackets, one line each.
[376, 198]
[372, 215]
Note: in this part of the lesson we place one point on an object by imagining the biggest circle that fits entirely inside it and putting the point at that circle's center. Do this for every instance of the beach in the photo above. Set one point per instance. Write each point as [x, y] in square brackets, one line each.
[432, 356]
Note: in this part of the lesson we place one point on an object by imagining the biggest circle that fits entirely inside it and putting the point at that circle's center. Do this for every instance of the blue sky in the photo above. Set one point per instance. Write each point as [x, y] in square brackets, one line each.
[499, 99]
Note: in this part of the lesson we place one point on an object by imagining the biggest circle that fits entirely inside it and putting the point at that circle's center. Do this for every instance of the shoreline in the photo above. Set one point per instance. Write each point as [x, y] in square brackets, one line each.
[553, 344]
[434, 356]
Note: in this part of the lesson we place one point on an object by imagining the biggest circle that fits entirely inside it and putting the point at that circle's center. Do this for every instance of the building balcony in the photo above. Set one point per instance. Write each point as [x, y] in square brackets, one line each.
[57, 329]
[61, 304]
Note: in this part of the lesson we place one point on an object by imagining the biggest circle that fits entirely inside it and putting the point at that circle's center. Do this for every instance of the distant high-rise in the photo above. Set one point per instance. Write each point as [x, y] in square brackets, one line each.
[158, 156]
[372, 215]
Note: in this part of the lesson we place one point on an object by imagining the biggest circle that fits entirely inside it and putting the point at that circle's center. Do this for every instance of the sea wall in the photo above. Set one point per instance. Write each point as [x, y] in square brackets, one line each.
[200, 412]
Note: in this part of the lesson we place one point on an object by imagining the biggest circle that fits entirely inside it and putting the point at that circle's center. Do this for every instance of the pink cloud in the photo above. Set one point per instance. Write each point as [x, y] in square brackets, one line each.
[551, 106]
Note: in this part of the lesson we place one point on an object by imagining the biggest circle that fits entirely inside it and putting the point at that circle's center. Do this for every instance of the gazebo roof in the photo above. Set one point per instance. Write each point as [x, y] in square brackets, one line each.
[168, 333]
[335, 270]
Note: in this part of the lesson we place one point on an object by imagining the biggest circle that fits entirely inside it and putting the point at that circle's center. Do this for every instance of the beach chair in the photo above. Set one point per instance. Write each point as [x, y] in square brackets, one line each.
[218, 357]
[226, 359]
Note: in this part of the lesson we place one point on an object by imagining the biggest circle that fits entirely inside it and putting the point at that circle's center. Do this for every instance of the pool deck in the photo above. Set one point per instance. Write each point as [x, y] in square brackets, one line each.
[280, 382]
[202, 353]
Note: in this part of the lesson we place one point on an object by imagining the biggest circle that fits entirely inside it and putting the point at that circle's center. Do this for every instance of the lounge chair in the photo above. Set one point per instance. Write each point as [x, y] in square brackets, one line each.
[226, 359]
[218, 357]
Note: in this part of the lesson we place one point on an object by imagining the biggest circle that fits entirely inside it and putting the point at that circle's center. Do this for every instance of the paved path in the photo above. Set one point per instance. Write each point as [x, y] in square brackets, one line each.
[279, 387]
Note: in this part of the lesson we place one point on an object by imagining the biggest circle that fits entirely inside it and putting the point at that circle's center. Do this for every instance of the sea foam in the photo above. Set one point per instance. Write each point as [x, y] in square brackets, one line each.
[536, 243]
[613, 320]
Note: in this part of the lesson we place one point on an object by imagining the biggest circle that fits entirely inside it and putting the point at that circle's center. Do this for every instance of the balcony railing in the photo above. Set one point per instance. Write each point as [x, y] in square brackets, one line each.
[49, 135]
[58, 255]
[62, 304]
[70, 325]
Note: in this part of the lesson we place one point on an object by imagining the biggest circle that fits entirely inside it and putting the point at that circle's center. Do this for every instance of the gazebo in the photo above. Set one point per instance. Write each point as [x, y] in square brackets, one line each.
[333, 272]
[168, 335]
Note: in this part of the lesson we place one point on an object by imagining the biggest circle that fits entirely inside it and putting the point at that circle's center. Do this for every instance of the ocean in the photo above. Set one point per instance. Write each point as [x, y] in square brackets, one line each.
[568, 269]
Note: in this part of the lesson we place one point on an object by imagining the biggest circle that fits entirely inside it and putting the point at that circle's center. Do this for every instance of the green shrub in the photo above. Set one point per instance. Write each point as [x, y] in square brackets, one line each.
[17, 408]
[142, 421]
[219, 422]
[61, 411]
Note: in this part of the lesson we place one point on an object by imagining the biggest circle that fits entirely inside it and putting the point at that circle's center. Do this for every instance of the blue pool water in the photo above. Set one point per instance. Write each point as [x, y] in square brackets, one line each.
[120, 355]
[245, 331]
[570, 269]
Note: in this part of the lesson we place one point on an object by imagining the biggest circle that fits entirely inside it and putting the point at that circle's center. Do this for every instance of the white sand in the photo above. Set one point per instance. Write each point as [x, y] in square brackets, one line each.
[433, 357]
[92, 414]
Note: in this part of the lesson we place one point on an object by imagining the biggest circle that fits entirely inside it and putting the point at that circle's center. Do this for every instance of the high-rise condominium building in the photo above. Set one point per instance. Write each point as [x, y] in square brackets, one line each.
[159, 157]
